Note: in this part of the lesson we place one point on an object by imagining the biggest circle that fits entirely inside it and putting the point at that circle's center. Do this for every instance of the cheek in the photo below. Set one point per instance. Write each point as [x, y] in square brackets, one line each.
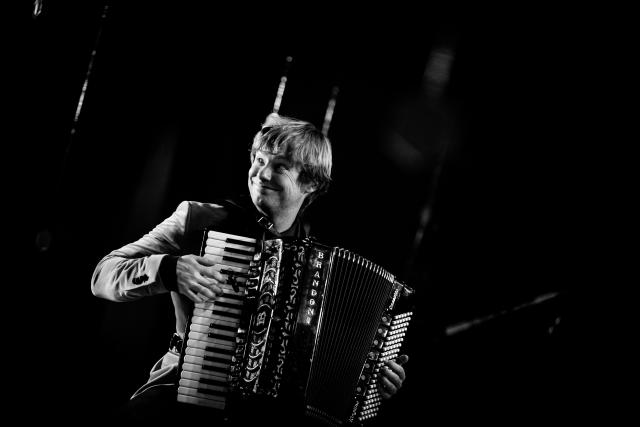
[291, 180]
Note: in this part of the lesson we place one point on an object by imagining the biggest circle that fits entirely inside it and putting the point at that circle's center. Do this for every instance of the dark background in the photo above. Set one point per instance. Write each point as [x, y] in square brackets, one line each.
[174, 96]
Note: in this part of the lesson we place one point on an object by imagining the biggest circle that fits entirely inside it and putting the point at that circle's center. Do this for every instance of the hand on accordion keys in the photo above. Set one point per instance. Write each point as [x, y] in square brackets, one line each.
[197, 279]
[393, 376]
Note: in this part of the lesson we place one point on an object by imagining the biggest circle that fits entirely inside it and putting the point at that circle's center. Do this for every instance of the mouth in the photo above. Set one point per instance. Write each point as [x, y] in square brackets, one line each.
[263, 187]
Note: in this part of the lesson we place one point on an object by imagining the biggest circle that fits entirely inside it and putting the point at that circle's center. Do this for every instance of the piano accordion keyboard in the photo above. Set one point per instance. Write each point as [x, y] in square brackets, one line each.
[211, 340]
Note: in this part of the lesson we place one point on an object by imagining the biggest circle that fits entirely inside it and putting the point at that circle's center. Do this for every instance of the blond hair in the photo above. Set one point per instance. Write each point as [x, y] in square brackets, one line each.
[303, 144]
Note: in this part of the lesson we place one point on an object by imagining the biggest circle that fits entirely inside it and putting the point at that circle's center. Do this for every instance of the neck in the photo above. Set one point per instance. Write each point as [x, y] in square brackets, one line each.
[282, 220]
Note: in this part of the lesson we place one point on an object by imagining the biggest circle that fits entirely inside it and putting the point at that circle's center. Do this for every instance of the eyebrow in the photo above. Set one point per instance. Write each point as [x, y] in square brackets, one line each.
[276, 156]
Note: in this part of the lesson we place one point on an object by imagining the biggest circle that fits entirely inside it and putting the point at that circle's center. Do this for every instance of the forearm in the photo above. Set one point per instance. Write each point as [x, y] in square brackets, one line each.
[143, 268]
[117, 278]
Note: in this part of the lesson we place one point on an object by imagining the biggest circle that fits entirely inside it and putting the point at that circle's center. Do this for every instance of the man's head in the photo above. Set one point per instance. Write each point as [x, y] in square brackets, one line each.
[290, 165]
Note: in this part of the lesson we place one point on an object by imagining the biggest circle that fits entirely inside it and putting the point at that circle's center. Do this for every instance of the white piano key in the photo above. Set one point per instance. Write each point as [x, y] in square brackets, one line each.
[211, 375]
[207, 318]
[208, 314]
[218, 259]
[221, 306]
[232, 244]
[188, 391]
[211, 342]
[200, 361]
[200, 352]
[222, 346]
[201, 402]
[205, 329]
[202, 386]
[203, 320]
[199, 370]
[224, 311]
[224, 251]
[224, 236]
[221, 244]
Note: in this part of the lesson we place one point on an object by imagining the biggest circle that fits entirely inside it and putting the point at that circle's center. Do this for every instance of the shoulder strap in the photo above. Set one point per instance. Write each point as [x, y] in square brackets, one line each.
[244, 206]
[246, 209]
[307, 228]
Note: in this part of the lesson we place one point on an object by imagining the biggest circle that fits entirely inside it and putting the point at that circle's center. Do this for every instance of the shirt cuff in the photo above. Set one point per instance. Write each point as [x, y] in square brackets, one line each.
[167, 272]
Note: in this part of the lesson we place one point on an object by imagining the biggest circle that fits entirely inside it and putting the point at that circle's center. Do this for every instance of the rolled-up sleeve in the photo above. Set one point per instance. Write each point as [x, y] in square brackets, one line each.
[133, 271]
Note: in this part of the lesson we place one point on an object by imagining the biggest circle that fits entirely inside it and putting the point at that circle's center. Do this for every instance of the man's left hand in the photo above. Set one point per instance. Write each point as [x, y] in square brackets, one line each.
[392, 376]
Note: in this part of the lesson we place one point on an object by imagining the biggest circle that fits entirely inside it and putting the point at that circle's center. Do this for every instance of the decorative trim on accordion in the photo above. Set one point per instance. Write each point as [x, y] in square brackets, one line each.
[260, 323]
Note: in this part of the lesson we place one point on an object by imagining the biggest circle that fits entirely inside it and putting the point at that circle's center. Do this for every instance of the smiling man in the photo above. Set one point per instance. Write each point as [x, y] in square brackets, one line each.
[290, 166]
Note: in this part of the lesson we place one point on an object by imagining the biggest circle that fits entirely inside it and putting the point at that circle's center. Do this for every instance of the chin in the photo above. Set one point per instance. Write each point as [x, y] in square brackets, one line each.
[260, 203]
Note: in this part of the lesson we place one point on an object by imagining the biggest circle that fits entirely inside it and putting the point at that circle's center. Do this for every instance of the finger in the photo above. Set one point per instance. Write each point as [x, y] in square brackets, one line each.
[396, 369]
[386, 388]
[217, 276]
[392, 377]
[208, 262]
[402, 359]
[203, 279]
[209, 274]
[208, 291]
[216, 289]
[205, 293]
[192, 296]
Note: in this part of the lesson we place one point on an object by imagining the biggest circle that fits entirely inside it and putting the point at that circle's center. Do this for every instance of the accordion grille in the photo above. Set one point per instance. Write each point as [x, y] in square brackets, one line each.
[355, 304]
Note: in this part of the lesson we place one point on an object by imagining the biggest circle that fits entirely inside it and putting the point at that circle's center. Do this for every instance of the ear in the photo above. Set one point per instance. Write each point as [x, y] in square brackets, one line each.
[309, 188]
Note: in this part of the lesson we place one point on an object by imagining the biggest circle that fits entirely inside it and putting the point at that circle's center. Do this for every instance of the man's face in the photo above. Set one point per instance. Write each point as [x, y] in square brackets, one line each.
[273, 184]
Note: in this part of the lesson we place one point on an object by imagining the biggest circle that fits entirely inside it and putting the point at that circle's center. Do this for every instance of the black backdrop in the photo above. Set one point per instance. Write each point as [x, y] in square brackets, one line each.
[174, 97]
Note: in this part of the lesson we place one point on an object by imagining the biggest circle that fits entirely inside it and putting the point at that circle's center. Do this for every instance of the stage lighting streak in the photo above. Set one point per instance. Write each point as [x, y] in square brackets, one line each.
[282, 85]
[329, 113]
[37, 8]
[438, 70]
[463, 326]
[88, 73]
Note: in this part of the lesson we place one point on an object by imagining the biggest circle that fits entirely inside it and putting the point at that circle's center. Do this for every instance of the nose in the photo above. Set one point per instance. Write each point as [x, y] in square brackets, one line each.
[264, 173]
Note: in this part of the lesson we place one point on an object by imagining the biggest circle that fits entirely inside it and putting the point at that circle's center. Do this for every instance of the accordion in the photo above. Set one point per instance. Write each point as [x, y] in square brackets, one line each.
[296, 319]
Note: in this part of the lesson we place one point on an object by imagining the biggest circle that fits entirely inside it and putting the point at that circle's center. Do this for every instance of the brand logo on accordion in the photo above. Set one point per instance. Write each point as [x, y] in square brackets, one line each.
[316, 265]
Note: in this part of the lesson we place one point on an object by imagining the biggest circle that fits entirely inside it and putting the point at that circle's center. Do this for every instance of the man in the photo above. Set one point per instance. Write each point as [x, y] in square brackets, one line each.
[290, 166]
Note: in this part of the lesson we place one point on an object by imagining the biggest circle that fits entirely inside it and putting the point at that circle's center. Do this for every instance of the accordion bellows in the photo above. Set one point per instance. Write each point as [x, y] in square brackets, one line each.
[296, 318]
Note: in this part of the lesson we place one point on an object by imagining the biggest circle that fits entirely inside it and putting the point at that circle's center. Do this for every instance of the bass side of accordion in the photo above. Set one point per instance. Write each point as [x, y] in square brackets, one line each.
[294, 316]
[386, 346]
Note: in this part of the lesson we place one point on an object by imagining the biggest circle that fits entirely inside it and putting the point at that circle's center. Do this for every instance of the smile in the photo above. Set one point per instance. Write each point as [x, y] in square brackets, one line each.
[263, 187]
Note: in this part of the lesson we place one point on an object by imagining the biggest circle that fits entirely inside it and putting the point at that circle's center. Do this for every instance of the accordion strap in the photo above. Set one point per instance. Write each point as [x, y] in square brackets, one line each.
[302, 227]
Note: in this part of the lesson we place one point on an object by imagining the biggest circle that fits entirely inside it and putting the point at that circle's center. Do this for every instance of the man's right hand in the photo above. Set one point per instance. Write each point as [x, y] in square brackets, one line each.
[196, 278]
